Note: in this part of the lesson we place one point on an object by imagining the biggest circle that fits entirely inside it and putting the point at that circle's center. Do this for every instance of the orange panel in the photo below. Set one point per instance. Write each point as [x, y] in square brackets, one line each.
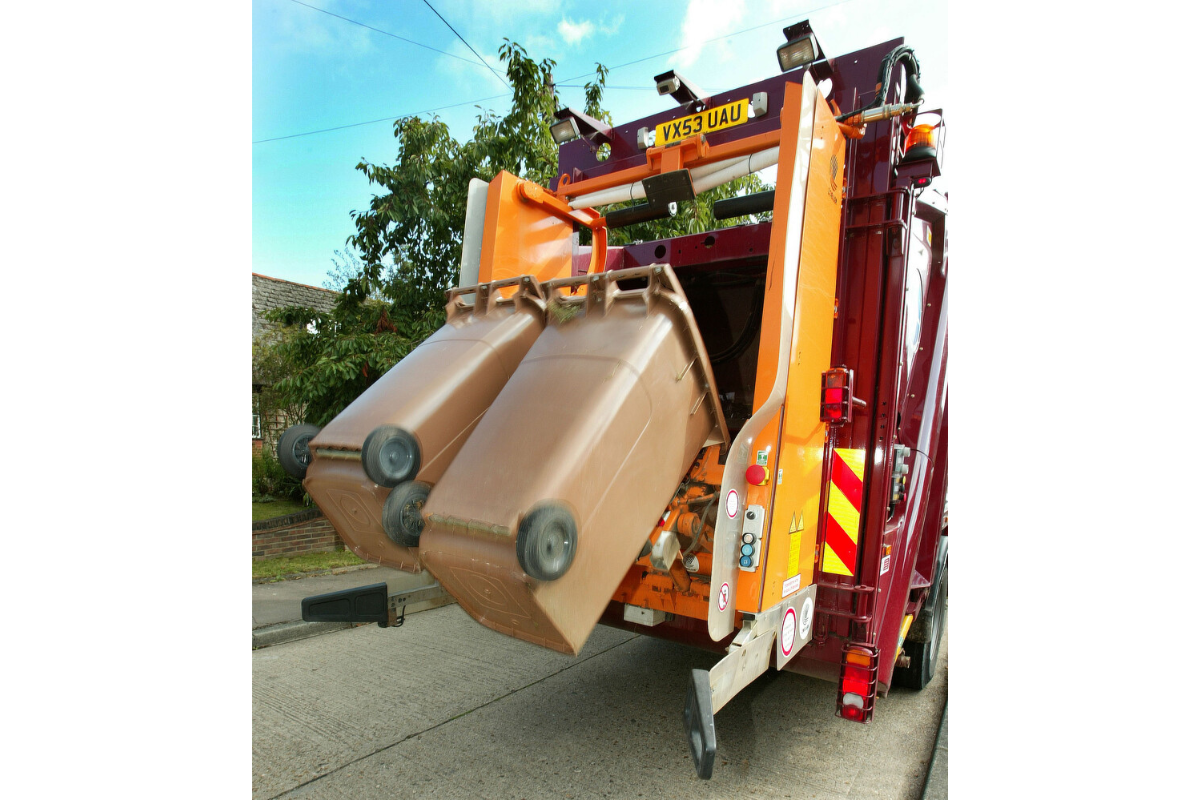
[792, 538]
[780, 294]
[794, 458]
[520, 238]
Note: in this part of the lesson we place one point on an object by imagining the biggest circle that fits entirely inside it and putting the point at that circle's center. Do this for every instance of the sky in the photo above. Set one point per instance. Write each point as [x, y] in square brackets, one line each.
[313, 71]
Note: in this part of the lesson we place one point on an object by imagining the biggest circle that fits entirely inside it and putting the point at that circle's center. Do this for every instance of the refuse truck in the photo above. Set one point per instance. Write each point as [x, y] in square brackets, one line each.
[734, 439]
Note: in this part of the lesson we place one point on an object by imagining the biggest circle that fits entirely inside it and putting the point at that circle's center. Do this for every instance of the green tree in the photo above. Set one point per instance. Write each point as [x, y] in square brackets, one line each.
[408, 243]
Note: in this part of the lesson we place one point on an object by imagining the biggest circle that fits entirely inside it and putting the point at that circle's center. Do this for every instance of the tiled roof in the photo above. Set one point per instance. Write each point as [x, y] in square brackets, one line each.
[271, 293]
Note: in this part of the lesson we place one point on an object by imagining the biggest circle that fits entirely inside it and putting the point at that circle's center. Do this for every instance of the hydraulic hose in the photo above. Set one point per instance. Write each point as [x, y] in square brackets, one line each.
[913, 93]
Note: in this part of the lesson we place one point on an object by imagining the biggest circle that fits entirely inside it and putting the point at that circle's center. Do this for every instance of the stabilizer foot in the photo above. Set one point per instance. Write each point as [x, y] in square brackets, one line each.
[699, 724]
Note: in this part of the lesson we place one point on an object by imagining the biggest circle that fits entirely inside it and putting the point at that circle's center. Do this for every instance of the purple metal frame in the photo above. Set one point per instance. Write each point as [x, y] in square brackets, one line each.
[879, 214]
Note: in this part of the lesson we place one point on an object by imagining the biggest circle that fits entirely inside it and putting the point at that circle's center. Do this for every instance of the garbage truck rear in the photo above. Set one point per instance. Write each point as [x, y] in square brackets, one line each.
[734, 439]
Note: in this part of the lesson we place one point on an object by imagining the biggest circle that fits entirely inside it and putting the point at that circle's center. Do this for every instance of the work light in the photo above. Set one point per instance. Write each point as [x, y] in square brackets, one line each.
[801, 47]
[573, 124]
[564, 130]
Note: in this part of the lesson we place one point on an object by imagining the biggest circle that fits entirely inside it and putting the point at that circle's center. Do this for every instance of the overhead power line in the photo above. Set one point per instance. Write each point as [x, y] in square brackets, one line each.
[565, 84]
[606, 88]
[391, 118]
[468, 44]
[385, 33]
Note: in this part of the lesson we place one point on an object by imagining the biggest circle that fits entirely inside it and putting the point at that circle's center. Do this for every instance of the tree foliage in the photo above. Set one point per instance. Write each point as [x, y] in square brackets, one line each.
[408, 243]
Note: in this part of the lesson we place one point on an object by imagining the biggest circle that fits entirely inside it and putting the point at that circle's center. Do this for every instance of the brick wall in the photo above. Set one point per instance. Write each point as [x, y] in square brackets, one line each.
[305, 532]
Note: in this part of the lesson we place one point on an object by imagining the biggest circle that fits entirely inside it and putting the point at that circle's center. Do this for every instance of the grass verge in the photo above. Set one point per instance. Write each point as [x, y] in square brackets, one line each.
[276, 569]
[276, 508]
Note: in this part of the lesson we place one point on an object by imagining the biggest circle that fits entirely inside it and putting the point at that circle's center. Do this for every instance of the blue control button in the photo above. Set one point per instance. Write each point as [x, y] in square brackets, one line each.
[745, 561]
[747, 549]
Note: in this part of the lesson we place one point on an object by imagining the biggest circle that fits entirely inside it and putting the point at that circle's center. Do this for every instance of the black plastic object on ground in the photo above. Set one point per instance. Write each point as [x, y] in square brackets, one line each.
[361, 604]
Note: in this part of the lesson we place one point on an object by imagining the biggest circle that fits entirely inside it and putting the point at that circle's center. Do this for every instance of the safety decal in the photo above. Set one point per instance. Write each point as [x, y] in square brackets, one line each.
[731, 504]
[795, 528]
[845, 492]
[787, 632]
[806, 616]
[723, 597]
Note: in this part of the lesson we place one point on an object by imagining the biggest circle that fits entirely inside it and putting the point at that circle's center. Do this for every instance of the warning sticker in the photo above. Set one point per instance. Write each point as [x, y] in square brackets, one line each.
[806, 616]
[886, 565]
[731, 503]
[795, 528]
[723, 597]
[761, 458]
[787, 632]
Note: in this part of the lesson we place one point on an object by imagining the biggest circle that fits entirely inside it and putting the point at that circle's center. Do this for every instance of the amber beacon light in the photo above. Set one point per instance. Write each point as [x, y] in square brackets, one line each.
[920, 143]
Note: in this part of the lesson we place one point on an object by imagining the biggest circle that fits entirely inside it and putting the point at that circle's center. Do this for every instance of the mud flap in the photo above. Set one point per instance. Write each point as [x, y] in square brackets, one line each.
[699, 724]
[361, 604]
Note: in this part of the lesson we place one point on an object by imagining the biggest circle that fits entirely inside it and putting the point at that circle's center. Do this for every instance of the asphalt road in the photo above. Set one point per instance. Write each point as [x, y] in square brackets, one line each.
[445, 708]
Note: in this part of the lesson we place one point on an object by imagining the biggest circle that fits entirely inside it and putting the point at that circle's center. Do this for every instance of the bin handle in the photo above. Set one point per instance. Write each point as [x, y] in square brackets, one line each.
[488, 296]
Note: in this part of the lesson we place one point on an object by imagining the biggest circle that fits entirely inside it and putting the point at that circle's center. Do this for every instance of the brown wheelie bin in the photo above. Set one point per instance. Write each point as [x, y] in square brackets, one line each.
[372, 466]
[550, 500]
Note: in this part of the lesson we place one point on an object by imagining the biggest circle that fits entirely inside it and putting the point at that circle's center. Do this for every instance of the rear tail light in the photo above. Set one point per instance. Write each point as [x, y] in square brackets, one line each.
[856, 689]
[837, 395]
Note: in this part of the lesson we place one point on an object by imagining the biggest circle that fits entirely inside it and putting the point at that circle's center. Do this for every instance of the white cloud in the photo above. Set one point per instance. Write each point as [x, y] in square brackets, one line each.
[574, 32]
[297, 29]
[609, 28]
[706, 19]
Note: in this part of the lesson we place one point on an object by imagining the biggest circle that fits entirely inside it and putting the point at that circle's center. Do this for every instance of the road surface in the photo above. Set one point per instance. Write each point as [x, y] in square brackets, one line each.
[445, 708]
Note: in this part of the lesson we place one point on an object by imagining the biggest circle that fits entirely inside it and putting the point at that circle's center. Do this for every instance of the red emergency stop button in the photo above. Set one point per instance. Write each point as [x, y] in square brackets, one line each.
[757, 475]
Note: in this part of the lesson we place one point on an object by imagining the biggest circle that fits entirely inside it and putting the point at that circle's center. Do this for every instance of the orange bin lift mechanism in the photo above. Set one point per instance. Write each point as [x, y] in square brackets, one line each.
[522, 238]
[844, 489]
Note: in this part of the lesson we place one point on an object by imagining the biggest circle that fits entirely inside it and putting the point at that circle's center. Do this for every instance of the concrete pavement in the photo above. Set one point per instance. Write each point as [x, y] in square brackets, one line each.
[445, 708]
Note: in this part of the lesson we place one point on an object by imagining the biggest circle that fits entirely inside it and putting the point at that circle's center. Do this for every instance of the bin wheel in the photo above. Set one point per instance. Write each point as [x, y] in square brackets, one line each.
[391, 456]
[546, 542]
[402, 520]
[925, 637]
[292, 449]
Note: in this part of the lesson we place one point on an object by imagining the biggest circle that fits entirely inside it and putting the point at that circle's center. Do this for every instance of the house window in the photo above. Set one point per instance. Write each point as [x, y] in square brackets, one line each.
[257, 428]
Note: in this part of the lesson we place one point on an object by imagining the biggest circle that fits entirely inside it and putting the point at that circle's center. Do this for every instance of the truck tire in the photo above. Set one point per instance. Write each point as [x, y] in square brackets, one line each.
[293, 449]
[546, 542]
[402, 520]
[925, 637]
[391, 456]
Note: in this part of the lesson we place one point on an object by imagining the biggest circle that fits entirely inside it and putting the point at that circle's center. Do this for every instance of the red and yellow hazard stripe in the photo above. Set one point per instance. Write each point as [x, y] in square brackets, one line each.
[845, 492]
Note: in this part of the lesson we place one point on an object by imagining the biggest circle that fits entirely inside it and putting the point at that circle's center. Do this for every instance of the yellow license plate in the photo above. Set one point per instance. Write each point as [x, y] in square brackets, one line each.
[713, 119]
